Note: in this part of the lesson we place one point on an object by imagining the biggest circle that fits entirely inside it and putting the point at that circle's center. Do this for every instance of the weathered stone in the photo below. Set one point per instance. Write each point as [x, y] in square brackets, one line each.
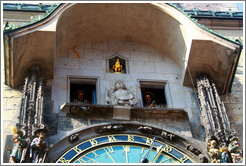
[234, 109]
[8, 92]
[237, 87]
[93, 53]
[143, 67]
[236, 98]
[99, 45]
[139, 56]
[12, 114]
[65, 124]
[166, 68]
[235, 118]
[13, 103]
[76, 123]
[72, 63]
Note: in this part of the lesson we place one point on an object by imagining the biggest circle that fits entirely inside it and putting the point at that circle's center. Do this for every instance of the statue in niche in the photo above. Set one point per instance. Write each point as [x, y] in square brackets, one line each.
[121, 96]
[117, 67]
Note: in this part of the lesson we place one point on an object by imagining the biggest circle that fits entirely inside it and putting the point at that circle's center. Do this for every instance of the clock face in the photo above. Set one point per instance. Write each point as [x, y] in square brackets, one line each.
[123, 148]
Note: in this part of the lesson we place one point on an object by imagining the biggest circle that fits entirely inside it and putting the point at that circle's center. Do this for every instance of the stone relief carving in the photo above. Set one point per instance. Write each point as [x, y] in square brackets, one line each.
[219, 134]
[120, 95]
[31, 128]
[110, 128]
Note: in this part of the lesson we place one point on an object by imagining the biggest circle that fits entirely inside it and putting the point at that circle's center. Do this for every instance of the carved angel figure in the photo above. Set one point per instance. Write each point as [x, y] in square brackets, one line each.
[121, 95]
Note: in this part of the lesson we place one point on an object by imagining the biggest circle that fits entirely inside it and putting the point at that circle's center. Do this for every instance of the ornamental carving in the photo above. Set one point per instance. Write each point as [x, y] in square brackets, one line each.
[121, 96]
[31, 130]
[220, 137]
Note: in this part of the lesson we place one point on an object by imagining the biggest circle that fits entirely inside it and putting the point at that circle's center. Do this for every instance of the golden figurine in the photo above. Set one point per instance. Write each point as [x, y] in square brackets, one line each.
[117, 67]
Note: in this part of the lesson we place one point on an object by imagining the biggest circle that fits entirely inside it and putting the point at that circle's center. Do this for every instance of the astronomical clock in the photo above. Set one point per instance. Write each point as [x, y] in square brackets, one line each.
[125, 143]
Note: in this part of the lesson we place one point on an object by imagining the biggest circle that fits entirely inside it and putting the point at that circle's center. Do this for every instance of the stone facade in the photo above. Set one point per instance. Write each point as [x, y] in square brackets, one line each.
[144, 63]
[89, 61]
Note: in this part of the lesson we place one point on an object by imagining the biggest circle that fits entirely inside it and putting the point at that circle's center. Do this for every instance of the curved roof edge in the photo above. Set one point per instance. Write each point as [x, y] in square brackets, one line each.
[235, 41]
[170, 4]
[22, 26]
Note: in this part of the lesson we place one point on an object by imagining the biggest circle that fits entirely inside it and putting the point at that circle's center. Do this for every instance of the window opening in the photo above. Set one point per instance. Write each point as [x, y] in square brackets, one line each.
[83, 91]
[153, 94]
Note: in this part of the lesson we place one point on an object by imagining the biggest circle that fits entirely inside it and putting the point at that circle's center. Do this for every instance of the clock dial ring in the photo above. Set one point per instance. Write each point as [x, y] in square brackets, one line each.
[117, 139]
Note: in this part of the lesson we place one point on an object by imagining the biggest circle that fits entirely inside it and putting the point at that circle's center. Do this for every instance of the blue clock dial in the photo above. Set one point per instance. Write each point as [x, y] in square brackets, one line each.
[123, 154]
[123, 148]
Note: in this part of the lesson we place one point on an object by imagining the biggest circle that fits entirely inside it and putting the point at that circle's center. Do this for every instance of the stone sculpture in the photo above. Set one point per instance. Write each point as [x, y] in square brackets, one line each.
[18, 151]
[214, 152]
[233, 148]
[121, 95]
[217, 125]
[39, 149]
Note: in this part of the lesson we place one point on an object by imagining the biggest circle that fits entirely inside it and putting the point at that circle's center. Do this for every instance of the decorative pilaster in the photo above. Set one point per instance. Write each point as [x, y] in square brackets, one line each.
[219, 133]
[31, 112]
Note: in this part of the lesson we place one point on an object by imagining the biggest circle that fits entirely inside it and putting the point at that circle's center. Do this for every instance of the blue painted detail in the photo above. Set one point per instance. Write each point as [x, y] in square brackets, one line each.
[84, 146]
[94, 96]
[118, 153]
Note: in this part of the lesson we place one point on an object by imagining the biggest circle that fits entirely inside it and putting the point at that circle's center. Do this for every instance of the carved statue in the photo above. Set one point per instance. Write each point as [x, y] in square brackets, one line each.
[224, 154]
[18, 151]
[117, 67]
[39, 149]
[214, 152]
[236, 154]
[121, 95]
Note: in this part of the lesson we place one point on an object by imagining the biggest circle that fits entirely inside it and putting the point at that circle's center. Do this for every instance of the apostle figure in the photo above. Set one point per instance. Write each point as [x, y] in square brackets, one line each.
[39, 149]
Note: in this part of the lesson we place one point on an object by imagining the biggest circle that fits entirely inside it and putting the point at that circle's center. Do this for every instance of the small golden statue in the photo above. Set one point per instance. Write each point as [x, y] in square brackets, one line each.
[117, 67]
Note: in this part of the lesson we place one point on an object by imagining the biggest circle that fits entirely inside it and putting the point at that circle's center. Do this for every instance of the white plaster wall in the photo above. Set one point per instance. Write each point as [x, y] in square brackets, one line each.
[144, 63]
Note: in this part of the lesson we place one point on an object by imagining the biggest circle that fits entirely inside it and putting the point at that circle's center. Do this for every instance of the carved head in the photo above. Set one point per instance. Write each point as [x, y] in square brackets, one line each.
[16, 138]
[235, 141]
[149, 97]
[41, 134]
[80, 95]
[119, 85]
[213, 143]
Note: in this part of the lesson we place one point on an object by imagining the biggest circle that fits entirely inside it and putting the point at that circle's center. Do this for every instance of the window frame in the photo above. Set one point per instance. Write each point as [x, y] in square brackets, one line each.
[162, 84]
[83, 80]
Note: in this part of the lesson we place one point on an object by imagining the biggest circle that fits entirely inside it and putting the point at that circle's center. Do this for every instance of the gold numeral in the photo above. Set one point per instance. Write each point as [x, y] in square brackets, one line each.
[111, 138]
[130, 138]
[63, 160]
[149, 141]
[93, 142]
[182, 160]
[167, 149]
[76, 149]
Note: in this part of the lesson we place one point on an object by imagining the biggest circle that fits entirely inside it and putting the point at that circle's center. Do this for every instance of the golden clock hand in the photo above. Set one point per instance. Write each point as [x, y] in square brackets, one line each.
[109, 155]
[165, 160]
[126, 149]
[159, 150]
[144, 159]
